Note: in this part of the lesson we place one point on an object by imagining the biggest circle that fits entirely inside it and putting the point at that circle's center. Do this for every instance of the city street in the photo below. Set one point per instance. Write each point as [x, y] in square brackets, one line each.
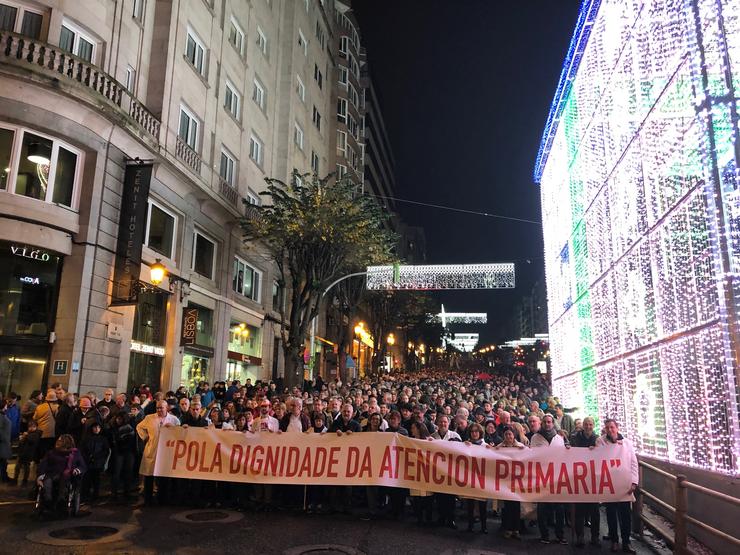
[168, 530]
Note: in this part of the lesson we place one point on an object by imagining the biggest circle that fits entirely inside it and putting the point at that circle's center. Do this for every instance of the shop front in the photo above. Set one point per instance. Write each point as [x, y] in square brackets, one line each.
[29, 290]
[197, 342]
[244, 352]
[148, 339]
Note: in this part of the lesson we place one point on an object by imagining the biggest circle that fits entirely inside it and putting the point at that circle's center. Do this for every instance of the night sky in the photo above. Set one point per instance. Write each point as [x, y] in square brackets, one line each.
[466, 86]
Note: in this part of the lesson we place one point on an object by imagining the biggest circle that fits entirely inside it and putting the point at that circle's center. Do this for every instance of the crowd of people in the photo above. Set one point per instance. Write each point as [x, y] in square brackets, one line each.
[63, 435]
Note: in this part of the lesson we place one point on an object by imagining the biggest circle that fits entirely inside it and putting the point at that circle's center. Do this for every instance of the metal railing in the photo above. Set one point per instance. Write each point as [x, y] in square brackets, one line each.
[185, 153]
[679, 509]
[228, 192]
[26, 52]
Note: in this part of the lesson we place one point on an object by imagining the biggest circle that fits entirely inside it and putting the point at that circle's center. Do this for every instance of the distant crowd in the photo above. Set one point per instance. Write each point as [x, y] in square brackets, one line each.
[110, 442]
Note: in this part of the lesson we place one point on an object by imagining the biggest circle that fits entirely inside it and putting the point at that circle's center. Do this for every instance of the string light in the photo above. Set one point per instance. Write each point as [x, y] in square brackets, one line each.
[450, 276]
[641, 223]
[464, 342]
[460, 317]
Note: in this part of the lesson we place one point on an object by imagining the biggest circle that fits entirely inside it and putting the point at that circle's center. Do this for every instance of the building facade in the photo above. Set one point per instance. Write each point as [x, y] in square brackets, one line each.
[154, 119]
[639, 175]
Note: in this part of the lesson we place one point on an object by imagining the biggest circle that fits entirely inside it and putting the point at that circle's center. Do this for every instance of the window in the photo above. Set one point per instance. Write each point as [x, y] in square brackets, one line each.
[258, 94]
[38, 166]
[298, 136]
[341, 143]
[204, 255]
[302, 42]
[262, 41]
[314, 162]
[320, 34]
[343, 46]
[308, 5]
[246, 280]
[317, 76]
[353, 67]
[20, 19]
[75, 41]
[232, 99]
[255, 150]
[138, 11]
[277, 296]
[161, 229]
[236, 36]
[130, 78]
[195, 52]
[316, 118]
[253, 198]
[343, 74]
[341, 171]
[352, 125]
[353, 97]
[352, 157]
[342, 110]
[300, 89]
[188, 130]
[227, 170]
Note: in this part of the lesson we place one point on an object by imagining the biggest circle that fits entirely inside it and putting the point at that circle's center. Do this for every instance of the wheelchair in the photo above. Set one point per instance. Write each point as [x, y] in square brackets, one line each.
[65, 498]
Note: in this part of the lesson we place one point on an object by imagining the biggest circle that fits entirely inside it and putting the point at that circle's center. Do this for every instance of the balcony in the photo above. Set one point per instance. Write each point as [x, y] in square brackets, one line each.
[188, 155]
[251, 212]
[65, 69]
[228, 192]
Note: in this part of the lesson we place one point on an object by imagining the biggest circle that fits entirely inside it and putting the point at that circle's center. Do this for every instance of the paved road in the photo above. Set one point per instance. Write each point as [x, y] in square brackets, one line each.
[154, 530]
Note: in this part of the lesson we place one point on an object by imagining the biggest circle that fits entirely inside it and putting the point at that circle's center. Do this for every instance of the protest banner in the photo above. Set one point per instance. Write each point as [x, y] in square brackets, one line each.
[386, 459]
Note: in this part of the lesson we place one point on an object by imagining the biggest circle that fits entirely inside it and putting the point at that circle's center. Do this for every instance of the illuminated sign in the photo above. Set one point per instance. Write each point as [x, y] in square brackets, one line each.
[147, 349]
[189, 325]
[34, 254]
[30, 280]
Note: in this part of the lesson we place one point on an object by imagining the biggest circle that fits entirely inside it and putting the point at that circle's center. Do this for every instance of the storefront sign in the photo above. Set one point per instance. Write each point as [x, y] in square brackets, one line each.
[241, 357]
[131, 228]
[31, 280]
[113, 332]
[59, 368]
[189, 326]
[147, 349]
[28, 252]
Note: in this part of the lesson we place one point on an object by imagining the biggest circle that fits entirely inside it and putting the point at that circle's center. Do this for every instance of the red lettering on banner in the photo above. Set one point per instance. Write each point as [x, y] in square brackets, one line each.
[606, 479]
[542, 479]
[353, 461]
[320, 458]
[202, 467]
[502, 471]
[529, 476]
[407, 462]
[422, 465]
[293, 460]
[365, 467]
[180, 449]
[396, 449]
[192, 461]
[461, 479]
[282, 460]
[271, 462]
[385, 464]
[216, 461]
[580, 470]
[564, 479]
[333, 461]
[305, 469]
[450, 460]
[592, 464]
[236, 453]
[517, 473]
[438, 478]
[245, 460]
[478, 472]
[256, 463]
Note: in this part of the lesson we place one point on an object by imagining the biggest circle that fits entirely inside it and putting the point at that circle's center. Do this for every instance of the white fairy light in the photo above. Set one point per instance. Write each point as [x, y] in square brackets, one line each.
[447, 276]
[460, 317]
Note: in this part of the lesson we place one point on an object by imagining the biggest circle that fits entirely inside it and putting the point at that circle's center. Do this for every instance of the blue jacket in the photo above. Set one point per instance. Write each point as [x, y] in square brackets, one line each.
[207, 398]
[14, 415]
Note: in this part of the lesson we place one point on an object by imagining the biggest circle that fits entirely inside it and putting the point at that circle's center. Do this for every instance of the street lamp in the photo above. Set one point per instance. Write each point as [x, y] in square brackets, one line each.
[157, 272]
[391, 339]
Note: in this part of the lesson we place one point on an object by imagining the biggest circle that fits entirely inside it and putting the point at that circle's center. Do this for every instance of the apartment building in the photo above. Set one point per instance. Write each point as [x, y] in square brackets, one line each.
[142, 125]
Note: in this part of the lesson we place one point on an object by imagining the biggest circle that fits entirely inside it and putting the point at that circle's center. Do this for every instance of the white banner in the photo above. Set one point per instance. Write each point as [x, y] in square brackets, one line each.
[387, 459]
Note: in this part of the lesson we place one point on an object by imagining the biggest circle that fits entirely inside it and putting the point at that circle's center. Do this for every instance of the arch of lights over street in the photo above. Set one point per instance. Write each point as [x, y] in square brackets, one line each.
[460, 317]
[638, 169]
[442, 276]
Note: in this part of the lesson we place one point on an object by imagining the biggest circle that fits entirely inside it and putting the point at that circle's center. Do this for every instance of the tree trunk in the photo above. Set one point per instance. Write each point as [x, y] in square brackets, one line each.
[293, 368]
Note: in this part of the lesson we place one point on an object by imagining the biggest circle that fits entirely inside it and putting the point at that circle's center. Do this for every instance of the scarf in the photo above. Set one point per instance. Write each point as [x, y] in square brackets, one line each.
[609, 439]
[548, 435]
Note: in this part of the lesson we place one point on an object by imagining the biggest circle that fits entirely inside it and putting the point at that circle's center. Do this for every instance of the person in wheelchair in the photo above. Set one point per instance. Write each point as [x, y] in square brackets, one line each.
[63, 466]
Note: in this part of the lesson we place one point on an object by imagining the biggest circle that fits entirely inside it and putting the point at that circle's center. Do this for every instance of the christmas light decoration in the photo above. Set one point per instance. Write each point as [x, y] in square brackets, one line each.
[638, 168]
[460, 317]
[452, 276]
[464, 342]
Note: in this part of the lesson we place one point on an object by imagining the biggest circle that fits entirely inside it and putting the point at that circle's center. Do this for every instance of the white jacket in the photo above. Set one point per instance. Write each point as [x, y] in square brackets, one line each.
[634, 467]
[148, 430]
[539, 441]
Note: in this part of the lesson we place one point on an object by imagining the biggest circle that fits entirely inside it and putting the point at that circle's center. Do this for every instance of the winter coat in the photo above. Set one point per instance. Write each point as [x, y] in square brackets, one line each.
[95, 450]
[45, 416]
[5, 425]
[148, 430]
[56, 461]
[14, 415]
[63, 418]
[285, 422]
[123, 439]
[28, 447]
[80, 424]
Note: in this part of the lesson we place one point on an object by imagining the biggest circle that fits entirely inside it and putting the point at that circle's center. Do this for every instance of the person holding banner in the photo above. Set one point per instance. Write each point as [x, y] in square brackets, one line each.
[264, 424]
[345, 424]
[620, 511]
[148, 430]
[510, 516]
[587, 511]
[548, 437]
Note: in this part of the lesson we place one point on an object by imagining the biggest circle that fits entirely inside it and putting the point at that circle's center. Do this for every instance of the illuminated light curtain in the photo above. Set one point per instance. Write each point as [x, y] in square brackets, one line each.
[451, 276]
[641, 220]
